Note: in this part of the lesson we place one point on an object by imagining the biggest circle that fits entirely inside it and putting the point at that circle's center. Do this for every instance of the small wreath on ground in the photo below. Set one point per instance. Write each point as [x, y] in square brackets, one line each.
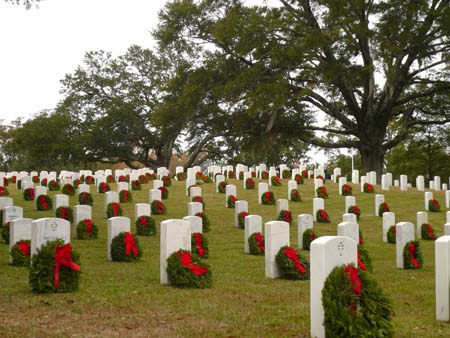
[205, 221]
[249, 183]
[20, 253]
[241, 219]
[354, 209]
[427, 232]
[150, 177]
[368, 188]
[199, 245]
[145, 226]
[221, 187]
[291, 264]
[383, 208]
[285, 215]
[103, 187]
[256, 244]
[55, 268]
[125, 248]
[35, 179]
[19, 184]
[188, 271]
[231, 174]
[167, 182]
[68, 189]
[305, 173]
[320, 177]
[199, 175]
[136, 185]
[28, 194]
[295, 196]
[268, 198]
[264, 175]
[364, 261]
[276, 181]
[253, 174]
[308, 236]
[433, 205]
[322, 216]
[85, 198]
[181, 177]
[86, 229]
[346, 190]
[89, 180]
[391, 234]
[158, 208]
[110, 179]
[64, 213]
[44, 182]
[354, 305]
[5, 232]
[76, 183]
[286, 174]
[412, 255]
[53, 185]
[142, 179]
[44, 202]
[198, 199]
[125, 196]
[207, 179]
[231, 201]
[322, 192]
[123, 178]
[164, 193]
[113, 210]
[299, 179]
[4, 191]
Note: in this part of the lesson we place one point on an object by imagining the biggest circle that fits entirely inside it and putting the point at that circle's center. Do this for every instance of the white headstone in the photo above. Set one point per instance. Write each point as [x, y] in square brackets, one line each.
[44, 230]
[239, 207]
[116, 225]
[403, 234]
[6, 202]
[110, 197]
[403, 182]
[342, 181]
[247, 175]
[196, 223]
[349, 229]
[157, 184]
[282, 204]
[388, 221]
[292, 185]
[189, 182]
[19, 229]
[349, 217]
[154, 195]
[336, 173]
[11, 213]
[61, 200]
[444, 186]
[80, 213]
[276, 235]
[318, 203]
[230, 189]
[447, 199]
[363, 181]
[262, 188]
[428, 195]
[422, 218]
[272, 173]
[384, 183]
[420, 183]
[396, 183]
[447, 217]
[432, 185]
[83, 188]
[196, 191]
[447, 229]
[372, 177]
[142, 209]
[379, 199]
[442, 277]
[253, 223]
[219, 179]
[194, 208]
[349, 201]
[437, 183]
[355, 176]
[305, 222]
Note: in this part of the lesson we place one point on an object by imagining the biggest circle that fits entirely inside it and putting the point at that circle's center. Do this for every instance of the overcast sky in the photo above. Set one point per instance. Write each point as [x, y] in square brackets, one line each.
[39, 46]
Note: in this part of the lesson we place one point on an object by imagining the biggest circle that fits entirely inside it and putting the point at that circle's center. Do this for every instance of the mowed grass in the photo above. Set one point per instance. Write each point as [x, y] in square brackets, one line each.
[127, 299]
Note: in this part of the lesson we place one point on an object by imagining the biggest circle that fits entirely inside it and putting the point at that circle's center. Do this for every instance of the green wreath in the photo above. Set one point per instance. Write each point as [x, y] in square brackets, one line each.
[20, 253]
[231, 201]
[158, 208]
[295, 196]
[286, 174]
[285, 215]
[35, 179]
[164, 193]
[276, 181]
[113, 210]
[207, 179]
[291, 264]
[221, 187]
[427, 232]
[322, 192]
[194, 273]
[123, 178]
[44, 202]
[391, 235]
[256, 244]
[199, 245]
[322, 216]
[364, 258]
[28, 194]
[241, 219]
[268, 198]
[382, 209]
[4, 191]
[198, 199]
[125, 196]
[68, 189]
[142, 179]
[368, 188]
[44, 182]
[299, 179]
[86, 229]
[181, 177]
[412, 255]
[264, 174]
[53, 185]
[89, 180]
[119, 248]
[145, 226]
[205, 221]
[42, 270]
[85, 198]
[5, 231]
[249, 184]
[76, 183]
[241, 175]
[103, 187]
[353, 309]
[167, 181]
[110, 179]
[308, 236]
[231, 174]
[64, 213]
[354, 209]
[136, 185]
[346, 190]
[433, 205]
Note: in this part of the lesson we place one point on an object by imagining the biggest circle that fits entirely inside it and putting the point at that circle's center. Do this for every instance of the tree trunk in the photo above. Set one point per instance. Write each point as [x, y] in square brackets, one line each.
[372, 158]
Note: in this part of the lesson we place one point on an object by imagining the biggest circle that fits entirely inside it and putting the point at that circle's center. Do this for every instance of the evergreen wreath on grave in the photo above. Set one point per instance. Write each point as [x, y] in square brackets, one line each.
[253, 174]
[199, 245]
[167, 182]
[55, 268]
[221, 187]
[35, 179]
[286, 174]
[231, 200]
[249, 183]
[53, 185]
[136, 185]
[291, 264]
[103, 187]
[76, 183]
[199, 175]
[276, 181]
[44, 182]
[231, 174]
[346, 190]
[28, 194]
[207, 179]
[64, 213]
[322, 216]
[427, 232]
[268, 198]
[322, 192]
[368, 188]
[264, 175]
[354, 209]
[320, 177]
[241, 219]
[433, 205]
[86, 229]
[164, 192]
[4, 191]
[299, 179]
[110, 179]
[383, 208]
[412, 255]
[354, 305]
[256, 244]
[360, 237]
[19, 184]
[188, 271]
[20, 253]
[305, 173]
[181, 177]
[158, 208]
[89, 180]
[145, 226]
[308, 236]
[198, 199]
[285, 215]
[85, 198]
[295, 196]
[125, 248]
[44, 202]
[125, 196]
[5, 232]
[364, 261]
[391, 234]
[241, 175]
[205, 221]
[5, 182]
[68, 189]
[113, 210]
[142, 179]
[150, 177]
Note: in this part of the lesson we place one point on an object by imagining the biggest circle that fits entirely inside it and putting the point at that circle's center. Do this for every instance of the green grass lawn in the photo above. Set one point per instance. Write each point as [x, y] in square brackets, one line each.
[127, 299]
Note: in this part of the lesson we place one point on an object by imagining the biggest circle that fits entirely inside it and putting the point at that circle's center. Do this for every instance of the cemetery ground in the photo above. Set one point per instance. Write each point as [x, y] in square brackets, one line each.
[127, 299]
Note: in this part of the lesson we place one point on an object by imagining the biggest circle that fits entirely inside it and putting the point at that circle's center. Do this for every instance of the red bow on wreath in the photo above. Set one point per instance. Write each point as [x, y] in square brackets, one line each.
[412, 251]
[88, 223]
[287, 216]
[292, 255]
[143, 221]
[130, 244]
[267, 196]
[115, 208]
[198, 244]
[44, 202]
[31, 192]
[429, 230]
[186, 261]
[259, 239]
[64, 213]
[63, 256]
[360, 262]
[24, 247]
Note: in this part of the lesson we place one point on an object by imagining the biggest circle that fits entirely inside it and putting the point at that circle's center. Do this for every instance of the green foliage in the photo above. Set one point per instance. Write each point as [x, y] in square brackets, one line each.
[295, 196]
[199, 245]
[255, 247]
[346, 190]
[276, 181]
[308, 236]
[136, 185]
[391, 235]
[322, 192]
[28, 194]
[287, 266]
[158, 208]
[410, 258]
[4, 191]
[18, 256]
[182, 276]
[383, 208]
[103, 187]
[285, 215]
[82, 230]
[118, 249]
[231, 200]
[205, 221]
[368, 188]
[64, 213]
[164, 193]
[268, 198]
[44, 202]
[427, 232]
[364, 257]
[354, 209]
[53, 185]
[113, 209]
[125, 196]
[322, 216]
[221, 187]
[241, 219]
[68, 189]
[433, 205]
[5, 232]
[85, 198]
[145, 226]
